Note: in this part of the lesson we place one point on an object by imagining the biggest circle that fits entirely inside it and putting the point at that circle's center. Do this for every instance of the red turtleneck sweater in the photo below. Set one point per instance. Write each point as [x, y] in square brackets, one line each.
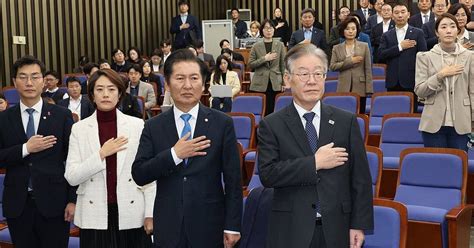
[107, 130]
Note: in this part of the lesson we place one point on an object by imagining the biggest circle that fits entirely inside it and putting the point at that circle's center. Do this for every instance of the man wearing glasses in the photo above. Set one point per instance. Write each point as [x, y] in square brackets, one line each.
[439, 7]
[34, 138]
[313, 156]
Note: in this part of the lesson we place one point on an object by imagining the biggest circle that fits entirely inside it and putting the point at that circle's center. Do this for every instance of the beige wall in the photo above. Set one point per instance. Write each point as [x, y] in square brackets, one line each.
[58, 32]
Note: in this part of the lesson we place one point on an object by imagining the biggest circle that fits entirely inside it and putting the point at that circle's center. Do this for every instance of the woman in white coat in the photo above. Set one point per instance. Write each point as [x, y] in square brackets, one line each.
[111, 209]
[223, 75]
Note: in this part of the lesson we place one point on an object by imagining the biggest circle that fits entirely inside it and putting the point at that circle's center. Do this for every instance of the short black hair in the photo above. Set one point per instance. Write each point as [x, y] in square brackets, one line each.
[183, 2]
[116, 50]
[453, 10]
[2, 96]
[433, 3]
[113, 76]
[184, 55]
[165, 42]
[135, 67]
[198, 43]
[55, 74]
[73, 79]
[27, 60]
[89, 66]
[103, 61]
[262, 26]
[236, 9]
[226, 50]
[308, 10]
[345, 23]
[221, 43]
[83, 60]
[139, 53]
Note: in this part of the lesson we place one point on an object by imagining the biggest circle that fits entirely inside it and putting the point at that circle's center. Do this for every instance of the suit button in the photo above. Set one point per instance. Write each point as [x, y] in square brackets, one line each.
[129, 179]
[185, 179]
[92, 180]
[91, 202]
[318, 179]
[132, 202]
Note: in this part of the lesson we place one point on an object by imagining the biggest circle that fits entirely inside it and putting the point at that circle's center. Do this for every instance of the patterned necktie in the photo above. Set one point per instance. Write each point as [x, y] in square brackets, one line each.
[365, 14]
[312, 136]
[187, 126]
[30, 127]
[310, 130]
[426, 19]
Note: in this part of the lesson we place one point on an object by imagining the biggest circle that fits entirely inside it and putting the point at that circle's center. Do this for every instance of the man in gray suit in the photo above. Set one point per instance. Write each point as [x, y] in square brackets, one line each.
[313, 156]
[139, 88]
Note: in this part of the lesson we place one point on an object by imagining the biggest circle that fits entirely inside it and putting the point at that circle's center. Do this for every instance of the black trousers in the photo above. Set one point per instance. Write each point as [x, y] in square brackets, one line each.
[318, 240]
[31, 229]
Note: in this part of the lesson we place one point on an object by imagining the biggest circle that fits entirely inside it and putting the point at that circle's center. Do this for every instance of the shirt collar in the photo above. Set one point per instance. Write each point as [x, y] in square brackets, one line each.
[301, 111]
[76, 101]
[427, 13]
[184, 14]
[37, 107]
[465, 35]
[52, 91]
[193, 112]
[308, 29]
[404, 28]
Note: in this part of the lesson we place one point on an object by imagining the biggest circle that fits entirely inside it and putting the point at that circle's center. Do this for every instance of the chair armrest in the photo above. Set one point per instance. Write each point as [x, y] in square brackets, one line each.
[459, 225]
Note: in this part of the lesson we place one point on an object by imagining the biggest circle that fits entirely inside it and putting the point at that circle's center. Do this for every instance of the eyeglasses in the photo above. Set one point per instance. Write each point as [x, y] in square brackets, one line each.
[440, 5]
[268, 28]
[25, 78]
[305, 76]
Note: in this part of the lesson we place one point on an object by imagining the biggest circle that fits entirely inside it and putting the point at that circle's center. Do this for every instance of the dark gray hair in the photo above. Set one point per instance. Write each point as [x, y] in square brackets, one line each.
[301, 50]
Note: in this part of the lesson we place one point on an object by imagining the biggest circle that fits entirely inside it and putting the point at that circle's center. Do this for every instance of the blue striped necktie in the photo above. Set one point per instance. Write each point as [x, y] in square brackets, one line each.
[186, 129]
[30, 127]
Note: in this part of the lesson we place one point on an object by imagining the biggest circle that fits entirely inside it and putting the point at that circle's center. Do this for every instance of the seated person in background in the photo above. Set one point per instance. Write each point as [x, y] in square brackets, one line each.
[149, 77]
[136, 87]
[119, 64]
[156, 61]
[240, 26]
[206, 57]
[51, 81]
[235, 55]
[254, 31]
[88, 69]
[165, 47]
[79, 105]
[82, 61]
[104, 64]
[223, 75]
[134, 55]
[129, 106]
[3, 103]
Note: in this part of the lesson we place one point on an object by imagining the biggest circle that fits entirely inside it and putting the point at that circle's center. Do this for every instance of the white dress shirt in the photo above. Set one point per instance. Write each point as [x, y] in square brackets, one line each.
[317, 117]
[401, 32]
[423, 15]
[24, 119]
[184, 17]
[379, 19]
[386, 26]
[75, 106]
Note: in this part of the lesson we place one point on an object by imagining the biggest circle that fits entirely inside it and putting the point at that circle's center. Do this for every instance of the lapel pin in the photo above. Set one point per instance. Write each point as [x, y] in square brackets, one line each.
[331, 122]
[44, 117]
[206, 120]
[49, 113]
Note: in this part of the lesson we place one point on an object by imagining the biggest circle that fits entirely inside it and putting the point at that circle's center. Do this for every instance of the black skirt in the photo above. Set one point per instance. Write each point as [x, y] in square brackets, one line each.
[113, 237]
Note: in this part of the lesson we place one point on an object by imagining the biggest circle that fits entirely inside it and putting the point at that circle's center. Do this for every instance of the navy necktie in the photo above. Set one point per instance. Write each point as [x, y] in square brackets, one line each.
[312, 136]
[186, 129]
[30, 127]
[310, 130]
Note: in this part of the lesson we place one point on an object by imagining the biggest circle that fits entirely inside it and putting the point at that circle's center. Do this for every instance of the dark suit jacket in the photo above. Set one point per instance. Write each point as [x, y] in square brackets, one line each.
[240, 29]
[371, 23]
[185, 37]
[417, 20]
[237, 57]
[363, 21]
[120, 68]
[56, 96]
[192, 195]
[400, 64]
[87, 108]
[376, 36]
[46, 168]
[209, 59]
[430, 35]
[129, 106]
[287, 164]
[318, 38]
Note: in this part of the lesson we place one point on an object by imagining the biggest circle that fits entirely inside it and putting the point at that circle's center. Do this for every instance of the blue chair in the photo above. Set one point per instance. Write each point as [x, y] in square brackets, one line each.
[374, 157]
[74, 242]
[255, 179]
[255, 218]
[390, 225]
[388, 103]
[282, 100]
[378, 86]
[330, 85]
[244, 125]
[253, 103]
[399, 131]
[141, 105]
[162, 82]
[12, 96]
[363, 121]
[432, 185]
[378, 71]
[331, 75]
[344, 100]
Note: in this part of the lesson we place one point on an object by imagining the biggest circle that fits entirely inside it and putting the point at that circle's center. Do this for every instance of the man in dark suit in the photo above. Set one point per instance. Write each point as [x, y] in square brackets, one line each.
[119, 63]
[425, 15]
[364, 12]
[188, 151]
[439, 7]
[34, 135]
[206, 57]
[240, 27]
[92, 67]
[185, 27]
[313, 156]
[398, 49]
[78, 104]
[51, 81]
[309, 34]
[375, 19]
[379, 29]
[225, 44]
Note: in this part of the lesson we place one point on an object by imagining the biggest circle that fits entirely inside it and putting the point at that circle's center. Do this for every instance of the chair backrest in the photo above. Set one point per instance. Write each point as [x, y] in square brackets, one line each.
[282, 100]
[255, 219]
[375, 158]
[244, 125]
[383, 103]
[12, 95]
[400, 131]
[390, 225]
[332, 75]
[141, 105]
[253, 103]
[344, 100]
[378, 71]
[379, 85]
[162, 82]
[363, 121]
[432, 177]
[330, 85]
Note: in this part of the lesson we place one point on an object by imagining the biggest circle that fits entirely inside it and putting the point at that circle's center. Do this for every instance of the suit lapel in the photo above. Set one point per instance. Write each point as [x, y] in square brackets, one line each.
[93, 139]
[202, 124]
[123, 129]
[170, 126]
[83, 107]
[15, 117]
[293, 121]
[409, 34]
[326, 126]
[45, 119]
